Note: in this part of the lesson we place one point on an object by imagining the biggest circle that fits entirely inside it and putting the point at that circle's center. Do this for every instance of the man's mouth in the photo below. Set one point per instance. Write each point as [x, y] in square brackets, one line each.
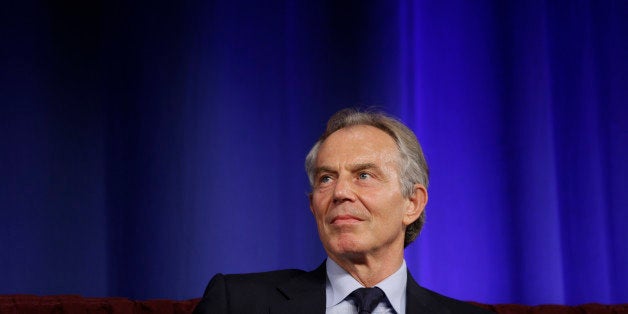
[345, 219]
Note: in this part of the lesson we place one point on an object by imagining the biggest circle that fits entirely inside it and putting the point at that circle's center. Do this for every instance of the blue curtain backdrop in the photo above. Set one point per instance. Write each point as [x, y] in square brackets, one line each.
[147, 146]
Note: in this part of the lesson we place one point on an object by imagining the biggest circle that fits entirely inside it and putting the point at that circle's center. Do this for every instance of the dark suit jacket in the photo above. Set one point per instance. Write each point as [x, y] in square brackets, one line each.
[299, 292]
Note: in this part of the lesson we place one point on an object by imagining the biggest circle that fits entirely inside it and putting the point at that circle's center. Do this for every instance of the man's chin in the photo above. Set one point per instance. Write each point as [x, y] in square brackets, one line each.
[346, 247]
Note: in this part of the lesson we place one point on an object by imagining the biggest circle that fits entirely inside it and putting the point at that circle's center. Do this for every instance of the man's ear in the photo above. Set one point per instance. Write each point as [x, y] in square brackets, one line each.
[416, 204]
[309, 197]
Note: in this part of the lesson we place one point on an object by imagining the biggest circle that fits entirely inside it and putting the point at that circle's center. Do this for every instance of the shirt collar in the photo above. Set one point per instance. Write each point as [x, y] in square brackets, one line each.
[340, 284]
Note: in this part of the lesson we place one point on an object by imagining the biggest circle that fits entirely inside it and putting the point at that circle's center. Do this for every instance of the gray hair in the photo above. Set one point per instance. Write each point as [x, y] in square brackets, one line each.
[412, 169]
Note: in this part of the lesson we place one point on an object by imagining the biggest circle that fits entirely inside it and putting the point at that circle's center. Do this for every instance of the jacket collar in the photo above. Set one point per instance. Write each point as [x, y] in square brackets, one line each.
[418, 300]
[304, 294]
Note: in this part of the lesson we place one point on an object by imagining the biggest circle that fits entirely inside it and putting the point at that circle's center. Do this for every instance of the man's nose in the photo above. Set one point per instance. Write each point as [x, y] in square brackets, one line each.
[343, 190]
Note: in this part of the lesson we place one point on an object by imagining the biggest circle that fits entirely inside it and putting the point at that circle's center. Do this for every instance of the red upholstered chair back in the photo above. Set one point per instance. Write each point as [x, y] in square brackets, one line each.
[26, 304]
[71, 304]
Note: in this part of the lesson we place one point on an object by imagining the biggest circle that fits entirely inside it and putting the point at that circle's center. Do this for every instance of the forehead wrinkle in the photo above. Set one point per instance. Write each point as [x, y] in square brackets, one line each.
[379, 156]
[362, 166]
[320, 169]
[365, 161]
[353, 167]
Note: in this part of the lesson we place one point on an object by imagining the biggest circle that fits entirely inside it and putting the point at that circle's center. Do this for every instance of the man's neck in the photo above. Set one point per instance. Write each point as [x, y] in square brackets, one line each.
[369, 270]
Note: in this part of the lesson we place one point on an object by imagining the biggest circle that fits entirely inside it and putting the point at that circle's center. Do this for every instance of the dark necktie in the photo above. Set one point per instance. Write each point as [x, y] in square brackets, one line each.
[367, 299]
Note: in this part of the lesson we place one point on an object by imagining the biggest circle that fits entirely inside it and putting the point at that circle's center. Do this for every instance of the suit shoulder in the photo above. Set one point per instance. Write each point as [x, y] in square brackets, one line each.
[241, 293]
[263, 278]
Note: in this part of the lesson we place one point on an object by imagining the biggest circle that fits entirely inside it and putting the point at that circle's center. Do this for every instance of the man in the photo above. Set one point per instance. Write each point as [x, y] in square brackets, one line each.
[369, 189]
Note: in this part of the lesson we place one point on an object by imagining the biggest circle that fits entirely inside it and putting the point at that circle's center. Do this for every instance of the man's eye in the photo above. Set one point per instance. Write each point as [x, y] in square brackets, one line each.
[324, 179]
[364, 176]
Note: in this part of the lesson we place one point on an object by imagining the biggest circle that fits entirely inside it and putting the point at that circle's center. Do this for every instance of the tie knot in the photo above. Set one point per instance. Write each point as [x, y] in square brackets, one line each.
[367, 299]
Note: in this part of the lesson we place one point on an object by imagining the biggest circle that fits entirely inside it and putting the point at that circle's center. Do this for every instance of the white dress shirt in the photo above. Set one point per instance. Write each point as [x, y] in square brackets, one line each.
[340, 284]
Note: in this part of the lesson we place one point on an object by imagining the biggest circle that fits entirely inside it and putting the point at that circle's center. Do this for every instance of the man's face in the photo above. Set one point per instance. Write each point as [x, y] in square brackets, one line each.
[357, 199]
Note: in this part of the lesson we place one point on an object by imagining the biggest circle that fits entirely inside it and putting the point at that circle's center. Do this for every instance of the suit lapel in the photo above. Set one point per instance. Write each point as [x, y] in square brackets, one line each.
[304, 294]
[419, 301]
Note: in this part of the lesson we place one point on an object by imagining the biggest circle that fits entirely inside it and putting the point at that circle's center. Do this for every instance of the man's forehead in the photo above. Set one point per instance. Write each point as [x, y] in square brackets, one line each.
[356, 146]
[360, 162]
[366, 136]
[352, 166]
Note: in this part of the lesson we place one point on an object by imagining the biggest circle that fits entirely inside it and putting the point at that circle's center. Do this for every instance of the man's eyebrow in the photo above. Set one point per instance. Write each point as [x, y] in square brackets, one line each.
[363, 166]
[321, 169]
[354, 168]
